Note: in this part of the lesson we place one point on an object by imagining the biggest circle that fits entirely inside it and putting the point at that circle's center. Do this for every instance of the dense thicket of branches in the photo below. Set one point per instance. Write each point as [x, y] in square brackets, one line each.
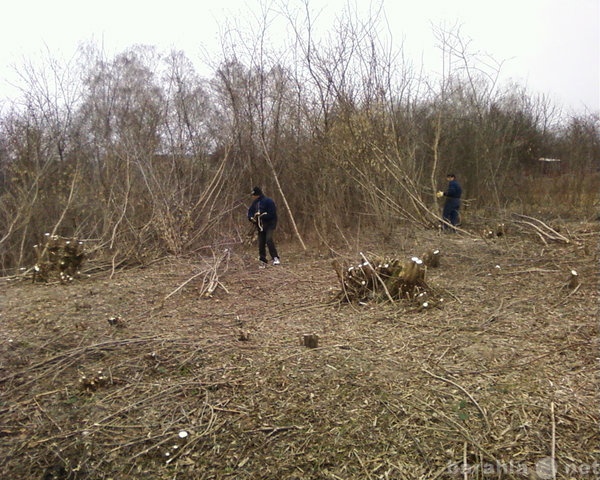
[140, 155]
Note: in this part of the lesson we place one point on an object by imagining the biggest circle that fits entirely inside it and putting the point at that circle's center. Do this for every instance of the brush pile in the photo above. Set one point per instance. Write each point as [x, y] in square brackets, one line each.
[386, 279]
[58, 257]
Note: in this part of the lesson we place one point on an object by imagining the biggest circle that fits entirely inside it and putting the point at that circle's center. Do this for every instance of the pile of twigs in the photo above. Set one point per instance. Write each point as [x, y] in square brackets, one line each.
[385, 279]
[209, 274]
[58, 256]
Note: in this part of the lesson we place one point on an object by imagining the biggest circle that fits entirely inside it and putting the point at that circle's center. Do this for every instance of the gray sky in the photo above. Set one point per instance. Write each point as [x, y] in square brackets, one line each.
[549, 46]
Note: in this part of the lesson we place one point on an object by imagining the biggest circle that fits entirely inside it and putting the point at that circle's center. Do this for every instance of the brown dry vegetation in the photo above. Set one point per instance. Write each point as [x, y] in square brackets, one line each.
[149, 163]
[503, 373]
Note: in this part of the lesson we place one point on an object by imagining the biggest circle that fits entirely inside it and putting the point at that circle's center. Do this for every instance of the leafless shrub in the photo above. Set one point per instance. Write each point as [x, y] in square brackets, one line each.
[147, 158]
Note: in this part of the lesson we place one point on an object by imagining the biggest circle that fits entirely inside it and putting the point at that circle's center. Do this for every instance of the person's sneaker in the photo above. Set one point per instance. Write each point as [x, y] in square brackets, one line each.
[276, 261]
[262, 264]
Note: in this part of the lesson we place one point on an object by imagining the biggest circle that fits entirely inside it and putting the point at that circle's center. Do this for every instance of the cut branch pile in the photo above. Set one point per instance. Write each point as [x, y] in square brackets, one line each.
[386, 279]
[210, 276]
[58, 256]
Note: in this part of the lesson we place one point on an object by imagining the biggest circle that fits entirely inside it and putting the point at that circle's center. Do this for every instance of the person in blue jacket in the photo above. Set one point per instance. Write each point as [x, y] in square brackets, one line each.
[263, 213]
[452, 204]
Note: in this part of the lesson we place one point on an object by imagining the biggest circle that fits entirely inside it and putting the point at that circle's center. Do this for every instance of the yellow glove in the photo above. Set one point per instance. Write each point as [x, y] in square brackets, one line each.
[439, 194]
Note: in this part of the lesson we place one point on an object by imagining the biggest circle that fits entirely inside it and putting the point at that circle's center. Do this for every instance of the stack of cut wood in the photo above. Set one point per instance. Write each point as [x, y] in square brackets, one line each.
[58, 256]
[387, 279]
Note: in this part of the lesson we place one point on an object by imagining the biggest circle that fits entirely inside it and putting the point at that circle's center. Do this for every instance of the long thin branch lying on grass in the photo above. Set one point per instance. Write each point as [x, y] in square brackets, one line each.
[361, 463]
[544, 231]
[462, 389]
[459, 428]
[466, 470]
[274, 430]
[553, 446]
[183, 285]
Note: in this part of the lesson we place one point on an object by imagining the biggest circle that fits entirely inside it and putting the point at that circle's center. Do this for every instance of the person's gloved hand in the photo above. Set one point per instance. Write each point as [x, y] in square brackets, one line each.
[439, 194]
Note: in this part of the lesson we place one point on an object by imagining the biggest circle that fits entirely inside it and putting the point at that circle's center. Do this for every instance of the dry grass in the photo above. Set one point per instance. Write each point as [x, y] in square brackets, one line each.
[502, 374]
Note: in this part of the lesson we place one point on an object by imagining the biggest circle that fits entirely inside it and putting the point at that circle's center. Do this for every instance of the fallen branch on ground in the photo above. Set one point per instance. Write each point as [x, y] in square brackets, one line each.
[545, 232]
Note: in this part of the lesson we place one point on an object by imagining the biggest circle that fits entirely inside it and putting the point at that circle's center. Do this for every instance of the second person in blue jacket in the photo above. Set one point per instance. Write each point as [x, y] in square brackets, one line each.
[452, 204]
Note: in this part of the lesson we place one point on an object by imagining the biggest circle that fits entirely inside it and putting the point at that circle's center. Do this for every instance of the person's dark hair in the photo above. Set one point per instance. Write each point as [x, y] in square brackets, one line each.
[256, 191]
[451, 175]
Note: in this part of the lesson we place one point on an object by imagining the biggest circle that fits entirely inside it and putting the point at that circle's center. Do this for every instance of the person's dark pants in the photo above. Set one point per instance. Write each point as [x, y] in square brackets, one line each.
[450, 214]
[265, 239]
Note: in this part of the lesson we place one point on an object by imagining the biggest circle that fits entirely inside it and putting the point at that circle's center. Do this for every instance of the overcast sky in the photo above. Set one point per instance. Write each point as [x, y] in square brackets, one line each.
[549, 46]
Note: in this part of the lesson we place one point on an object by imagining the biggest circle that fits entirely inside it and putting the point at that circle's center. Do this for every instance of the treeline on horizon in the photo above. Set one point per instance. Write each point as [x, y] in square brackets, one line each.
[141, 156]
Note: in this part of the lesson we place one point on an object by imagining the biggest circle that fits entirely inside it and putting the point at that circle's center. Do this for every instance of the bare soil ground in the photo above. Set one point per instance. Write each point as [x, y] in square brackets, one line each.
[496, 381]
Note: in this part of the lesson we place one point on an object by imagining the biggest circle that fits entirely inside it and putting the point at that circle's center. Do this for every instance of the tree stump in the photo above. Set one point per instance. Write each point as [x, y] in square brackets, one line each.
[244, 336]
[487, 232]
[574, 280]
[310, 340]
[431, 258]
